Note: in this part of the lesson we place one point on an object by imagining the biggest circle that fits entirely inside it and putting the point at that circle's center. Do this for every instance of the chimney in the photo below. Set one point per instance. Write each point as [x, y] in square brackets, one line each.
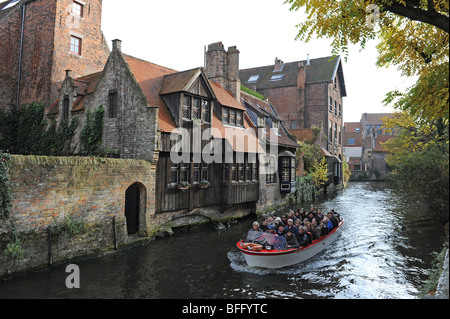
[234, 83]
[301, 76]
[68, 73]
[117, 45]
[223, 67]
[278, 65]
[308, 61]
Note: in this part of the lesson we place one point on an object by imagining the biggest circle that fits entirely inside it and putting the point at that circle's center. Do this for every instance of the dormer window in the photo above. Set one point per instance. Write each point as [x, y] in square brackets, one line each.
[195, 108]
[232, 116]
[261, 121]
[276, 127]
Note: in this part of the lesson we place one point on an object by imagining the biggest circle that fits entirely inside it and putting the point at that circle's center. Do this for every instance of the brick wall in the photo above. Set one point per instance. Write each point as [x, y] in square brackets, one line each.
[48, 27]
[47, 190]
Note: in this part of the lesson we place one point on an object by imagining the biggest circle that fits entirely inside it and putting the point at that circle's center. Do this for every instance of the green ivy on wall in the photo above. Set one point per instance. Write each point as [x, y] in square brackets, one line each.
[14, 246]
[92, 133]
[25, 131]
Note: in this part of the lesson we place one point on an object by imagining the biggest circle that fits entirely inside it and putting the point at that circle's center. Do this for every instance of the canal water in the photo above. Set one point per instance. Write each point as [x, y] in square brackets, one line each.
[384, 251]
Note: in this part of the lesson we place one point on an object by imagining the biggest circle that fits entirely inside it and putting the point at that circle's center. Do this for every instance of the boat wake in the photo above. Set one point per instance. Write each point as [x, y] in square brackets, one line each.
[238, 264]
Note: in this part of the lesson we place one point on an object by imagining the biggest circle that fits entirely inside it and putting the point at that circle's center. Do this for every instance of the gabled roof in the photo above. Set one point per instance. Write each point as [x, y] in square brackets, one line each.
[150, 77]
[319, 70]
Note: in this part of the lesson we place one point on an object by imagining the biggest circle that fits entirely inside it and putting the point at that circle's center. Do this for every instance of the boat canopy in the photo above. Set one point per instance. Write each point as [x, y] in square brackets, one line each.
[277, 242]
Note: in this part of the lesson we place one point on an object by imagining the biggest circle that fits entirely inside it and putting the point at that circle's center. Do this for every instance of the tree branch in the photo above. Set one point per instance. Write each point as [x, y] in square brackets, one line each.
[414, 12]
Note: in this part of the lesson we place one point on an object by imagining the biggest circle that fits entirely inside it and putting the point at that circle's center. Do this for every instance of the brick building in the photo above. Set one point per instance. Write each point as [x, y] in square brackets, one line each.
[306, 94]
[37, 48]
[363, 146]
[55, 53]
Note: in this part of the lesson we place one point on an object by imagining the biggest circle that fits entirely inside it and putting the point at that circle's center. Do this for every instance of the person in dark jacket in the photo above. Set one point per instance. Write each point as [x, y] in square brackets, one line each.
[302, 238]
[333, 220]
[291, 241]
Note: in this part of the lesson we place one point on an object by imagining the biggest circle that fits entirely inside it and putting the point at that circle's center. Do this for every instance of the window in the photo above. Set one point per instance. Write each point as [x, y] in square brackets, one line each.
[351, 141]
[200, 172]
[357, 129]
[253, 78]
[288, 169]
[276, 127]
[331, 104]
[239, 118]
[184, 172]
[261, 121]
[271, 176]
[206, 113]
[196, 109]
[294, 125]
[340, 110]
[174, 173]
[241, 172]
[330, 132]
[277, 77]
[75, 45]
[112, 105]
[66, 106]
[335, 108]
[225, 115]
[77, 8]
[232, 117]
[187, 107]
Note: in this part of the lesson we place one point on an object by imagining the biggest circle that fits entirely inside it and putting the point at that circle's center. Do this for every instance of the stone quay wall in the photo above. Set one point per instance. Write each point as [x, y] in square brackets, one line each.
[68, 207]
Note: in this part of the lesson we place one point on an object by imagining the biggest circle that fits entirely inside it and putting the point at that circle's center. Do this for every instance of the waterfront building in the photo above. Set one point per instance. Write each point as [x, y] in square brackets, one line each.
[363, 146]
[307, 94]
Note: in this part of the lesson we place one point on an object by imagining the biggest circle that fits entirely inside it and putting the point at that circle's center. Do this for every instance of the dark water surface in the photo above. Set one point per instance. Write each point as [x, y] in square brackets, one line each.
[384, 251]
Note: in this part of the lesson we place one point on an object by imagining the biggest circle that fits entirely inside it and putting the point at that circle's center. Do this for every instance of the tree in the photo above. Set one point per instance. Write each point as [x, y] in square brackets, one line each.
[412, 34]
[419, 157]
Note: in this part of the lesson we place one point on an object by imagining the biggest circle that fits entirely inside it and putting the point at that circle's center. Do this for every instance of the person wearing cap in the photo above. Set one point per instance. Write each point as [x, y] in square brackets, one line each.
[290, 226]
[291, 241]
[271, 229]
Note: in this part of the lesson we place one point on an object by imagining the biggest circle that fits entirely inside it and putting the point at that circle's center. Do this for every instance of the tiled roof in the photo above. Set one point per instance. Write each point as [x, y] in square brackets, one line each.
[374, 118]
[150, 77]
[225, 97]
[319, 70]
[265, 108]
[178, 82]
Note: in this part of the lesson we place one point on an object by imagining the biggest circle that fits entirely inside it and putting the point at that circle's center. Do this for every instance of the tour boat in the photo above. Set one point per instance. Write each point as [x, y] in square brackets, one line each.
[266, 250]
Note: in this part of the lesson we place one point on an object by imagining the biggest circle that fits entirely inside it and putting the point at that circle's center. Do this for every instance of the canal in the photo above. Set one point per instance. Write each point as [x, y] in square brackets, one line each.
[384, 251]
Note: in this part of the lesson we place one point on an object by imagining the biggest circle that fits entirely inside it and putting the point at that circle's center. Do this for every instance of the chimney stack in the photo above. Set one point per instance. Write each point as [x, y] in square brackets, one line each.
[223, 67]
[278, 65]
[117, 45]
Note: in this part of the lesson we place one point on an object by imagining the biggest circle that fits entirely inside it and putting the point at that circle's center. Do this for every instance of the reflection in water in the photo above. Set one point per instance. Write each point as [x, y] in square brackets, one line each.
[383, 251]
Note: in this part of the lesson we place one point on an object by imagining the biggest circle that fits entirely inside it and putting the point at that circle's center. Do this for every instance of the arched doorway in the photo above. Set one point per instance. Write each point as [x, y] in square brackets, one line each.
[134, 207]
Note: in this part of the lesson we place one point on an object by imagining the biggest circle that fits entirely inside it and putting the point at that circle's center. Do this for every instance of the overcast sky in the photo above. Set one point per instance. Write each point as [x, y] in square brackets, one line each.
[174, 33]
